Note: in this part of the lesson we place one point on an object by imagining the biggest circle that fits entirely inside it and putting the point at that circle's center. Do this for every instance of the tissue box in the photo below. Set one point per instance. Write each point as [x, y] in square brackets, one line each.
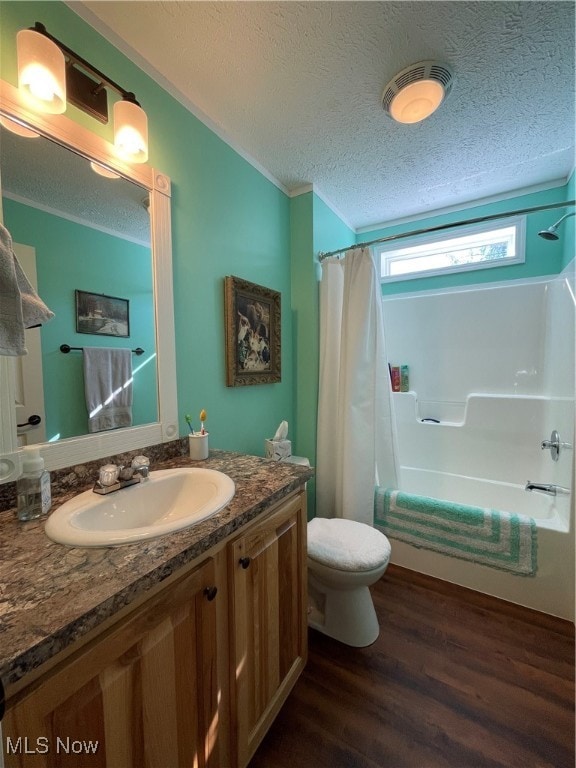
[277, 449]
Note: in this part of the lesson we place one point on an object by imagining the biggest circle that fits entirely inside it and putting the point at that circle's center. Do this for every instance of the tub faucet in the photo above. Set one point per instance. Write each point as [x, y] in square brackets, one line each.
[548, 488]
[554, 445]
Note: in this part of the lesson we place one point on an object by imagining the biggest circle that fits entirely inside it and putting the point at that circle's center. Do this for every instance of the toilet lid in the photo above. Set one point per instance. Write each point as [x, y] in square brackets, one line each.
[346, 544]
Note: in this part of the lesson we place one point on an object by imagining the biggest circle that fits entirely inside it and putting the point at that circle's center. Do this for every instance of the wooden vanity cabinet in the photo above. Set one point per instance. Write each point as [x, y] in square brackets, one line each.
[268, 627]
[190, 678]
[143, 694]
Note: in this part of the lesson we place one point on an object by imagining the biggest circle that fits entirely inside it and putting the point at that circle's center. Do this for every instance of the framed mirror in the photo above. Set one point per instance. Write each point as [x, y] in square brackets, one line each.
[95, 236]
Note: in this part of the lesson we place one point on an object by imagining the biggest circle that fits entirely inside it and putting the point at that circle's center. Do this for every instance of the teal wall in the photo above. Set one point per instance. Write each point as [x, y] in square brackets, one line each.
[71, 256]
[542, 257]
[330, 232]
[304, 323]
[227, 219]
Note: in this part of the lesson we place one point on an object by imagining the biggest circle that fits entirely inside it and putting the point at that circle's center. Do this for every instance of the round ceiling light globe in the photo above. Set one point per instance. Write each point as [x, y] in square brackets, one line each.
[417, 101]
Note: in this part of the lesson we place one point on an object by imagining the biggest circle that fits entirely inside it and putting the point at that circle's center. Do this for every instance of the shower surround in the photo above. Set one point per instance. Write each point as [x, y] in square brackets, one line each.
[493, 366]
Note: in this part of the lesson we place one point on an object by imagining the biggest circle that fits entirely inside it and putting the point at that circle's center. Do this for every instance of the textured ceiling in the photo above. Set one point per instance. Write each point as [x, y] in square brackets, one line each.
[50, 176]
[296, 87]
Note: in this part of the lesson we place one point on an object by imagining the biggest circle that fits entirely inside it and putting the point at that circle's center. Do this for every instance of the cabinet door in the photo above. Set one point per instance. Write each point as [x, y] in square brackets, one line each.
[142, 695]
[269, 633]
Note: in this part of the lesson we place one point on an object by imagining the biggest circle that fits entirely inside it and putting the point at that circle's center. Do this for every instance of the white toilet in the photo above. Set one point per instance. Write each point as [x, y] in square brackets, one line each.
[344, 558]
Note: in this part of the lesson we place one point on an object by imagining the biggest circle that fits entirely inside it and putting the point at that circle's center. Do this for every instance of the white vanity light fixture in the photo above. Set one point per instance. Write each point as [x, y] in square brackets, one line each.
[50, 74]
[41, 71]
[417, 91]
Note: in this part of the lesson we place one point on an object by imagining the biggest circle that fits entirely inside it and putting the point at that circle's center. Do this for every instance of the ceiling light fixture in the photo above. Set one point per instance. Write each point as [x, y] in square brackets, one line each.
[417, 91]
[50, 74]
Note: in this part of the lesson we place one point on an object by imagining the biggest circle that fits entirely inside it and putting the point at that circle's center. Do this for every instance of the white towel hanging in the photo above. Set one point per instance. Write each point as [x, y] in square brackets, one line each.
[20, 305]
[108, 387]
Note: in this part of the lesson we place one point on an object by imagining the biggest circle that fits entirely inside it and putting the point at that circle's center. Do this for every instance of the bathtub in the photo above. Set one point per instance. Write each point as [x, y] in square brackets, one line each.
[550, 512]
[493, 366]
[486, 457]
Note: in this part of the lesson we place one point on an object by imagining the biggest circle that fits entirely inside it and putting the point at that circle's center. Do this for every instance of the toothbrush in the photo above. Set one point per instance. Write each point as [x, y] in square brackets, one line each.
[189, 422]
[202, 420]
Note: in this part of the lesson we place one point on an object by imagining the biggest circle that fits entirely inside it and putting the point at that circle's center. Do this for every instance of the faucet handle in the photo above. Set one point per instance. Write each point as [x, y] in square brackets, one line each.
[141, 466]
[553, 445]
[108, 475]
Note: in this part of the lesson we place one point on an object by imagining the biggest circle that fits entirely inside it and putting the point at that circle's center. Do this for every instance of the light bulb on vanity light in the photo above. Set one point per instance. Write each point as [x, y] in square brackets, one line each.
[131, 130]
[41, 72]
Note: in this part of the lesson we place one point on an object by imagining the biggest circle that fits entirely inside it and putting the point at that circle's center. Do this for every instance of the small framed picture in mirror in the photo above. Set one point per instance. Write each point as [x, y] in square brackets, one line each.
[102, 315]
[252, 321]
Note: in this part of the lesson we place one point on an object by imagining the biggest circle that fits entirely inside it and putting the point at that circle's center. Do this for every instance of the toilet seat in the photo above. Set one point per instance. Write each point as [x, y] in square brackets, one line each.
[346, 545]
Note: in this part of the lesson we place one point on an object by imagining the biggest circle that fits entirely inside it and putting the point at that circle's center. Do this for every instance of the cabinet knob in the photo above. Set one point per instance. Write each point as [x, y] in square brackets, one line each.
[211, 593]
[244, 562]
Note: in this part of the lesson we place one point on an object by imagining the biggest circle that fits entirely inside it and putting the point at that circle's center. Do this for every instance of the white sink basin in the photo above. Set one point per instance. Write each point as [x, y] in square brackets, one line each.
[170, 500]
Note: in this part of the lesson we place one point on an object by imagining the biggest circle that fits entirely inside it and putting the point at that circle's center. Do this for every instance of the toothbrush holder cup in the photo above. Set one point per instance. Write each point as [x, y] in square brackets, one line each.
[198, 445]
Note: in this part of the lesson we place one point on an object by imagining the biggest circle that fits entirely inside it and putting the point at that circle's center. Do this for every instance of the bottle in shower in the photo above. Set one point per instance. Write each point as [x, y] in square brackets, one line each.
[404, 381]
[33, 493]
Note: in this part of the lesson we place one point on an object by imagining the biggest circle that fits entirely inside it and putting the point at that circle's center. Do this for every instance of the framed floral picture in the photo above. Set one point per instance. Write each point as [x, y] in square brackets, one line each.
[252, 317]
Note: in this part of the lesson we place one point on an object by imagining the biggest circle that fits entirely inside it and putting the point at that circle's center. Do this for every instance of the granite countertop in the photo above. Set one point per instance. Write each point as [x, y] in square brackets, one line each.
[51, 595]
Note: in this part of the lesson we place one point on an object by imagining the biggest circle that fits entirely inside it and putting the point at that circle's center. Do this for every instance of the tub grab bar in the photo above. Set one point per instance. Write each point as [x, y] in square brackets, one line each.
[551, 490]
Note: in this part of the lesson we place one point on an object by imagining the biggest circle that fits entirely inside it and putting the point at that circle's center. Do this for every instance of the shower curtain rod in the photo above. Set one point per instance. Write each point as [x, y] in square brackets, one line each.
[322, 255]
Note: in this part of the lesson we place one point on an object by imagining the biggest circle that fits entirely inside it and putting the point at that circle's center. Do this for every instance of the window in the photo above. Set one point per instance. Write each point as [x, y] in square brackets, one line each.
[479, 246]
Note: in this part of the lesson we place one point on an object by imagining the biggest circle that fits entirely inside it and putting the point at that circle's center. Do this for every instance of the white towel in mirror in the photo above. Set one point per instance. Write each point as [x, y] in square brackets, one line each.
[20, 305]
[108, 387]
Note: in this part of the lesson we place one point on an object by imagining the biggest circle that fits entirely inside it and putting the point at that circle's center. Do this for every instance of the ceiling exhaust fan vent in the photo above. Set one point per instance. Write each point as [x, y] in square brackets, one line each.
[422, 70]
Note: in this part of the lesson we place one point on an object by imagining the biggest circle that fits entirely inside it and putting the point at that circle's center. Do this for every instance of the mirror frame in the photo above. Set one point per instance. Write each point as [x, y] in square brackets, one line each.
[78, 450]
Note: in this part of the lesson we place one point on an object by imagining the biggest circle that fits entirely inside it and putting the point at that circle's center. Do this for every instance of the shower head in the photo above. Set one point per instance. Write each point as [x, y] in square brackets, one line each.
[551, 232]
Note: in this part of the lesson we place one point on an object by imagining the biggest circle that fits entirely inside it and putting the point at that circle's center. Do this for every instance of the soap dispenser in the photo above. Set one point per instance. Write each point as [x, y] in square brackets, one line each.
[33, 486]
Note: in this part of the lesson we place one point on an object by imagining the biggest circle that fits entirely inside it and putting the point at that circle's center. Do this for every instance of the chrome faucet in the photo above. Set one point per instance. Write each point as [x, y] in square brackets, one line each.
[113, 478]
[551, 490]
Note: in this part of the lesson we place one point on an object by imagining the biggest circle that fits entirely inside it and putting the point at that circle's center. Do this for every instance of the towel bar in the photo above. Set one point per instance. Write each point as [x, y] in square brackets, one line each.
[67, 348]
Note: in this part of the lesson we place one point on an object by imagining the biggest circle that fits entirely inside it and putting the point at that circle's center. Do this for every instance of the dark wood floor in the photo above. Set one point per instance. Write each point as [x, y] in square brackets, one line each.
[455, 679]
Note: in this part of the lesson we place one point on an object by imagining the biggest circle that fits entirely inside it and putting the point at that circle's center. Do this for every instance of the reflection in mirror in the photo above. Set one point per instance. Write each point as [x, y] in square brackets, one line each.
[75, 230]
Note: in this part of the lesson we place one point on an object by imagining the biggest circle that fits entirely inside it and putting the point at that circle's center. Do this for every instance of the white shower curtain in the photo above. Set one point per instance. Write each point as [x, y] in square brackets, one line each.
[355, 441]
